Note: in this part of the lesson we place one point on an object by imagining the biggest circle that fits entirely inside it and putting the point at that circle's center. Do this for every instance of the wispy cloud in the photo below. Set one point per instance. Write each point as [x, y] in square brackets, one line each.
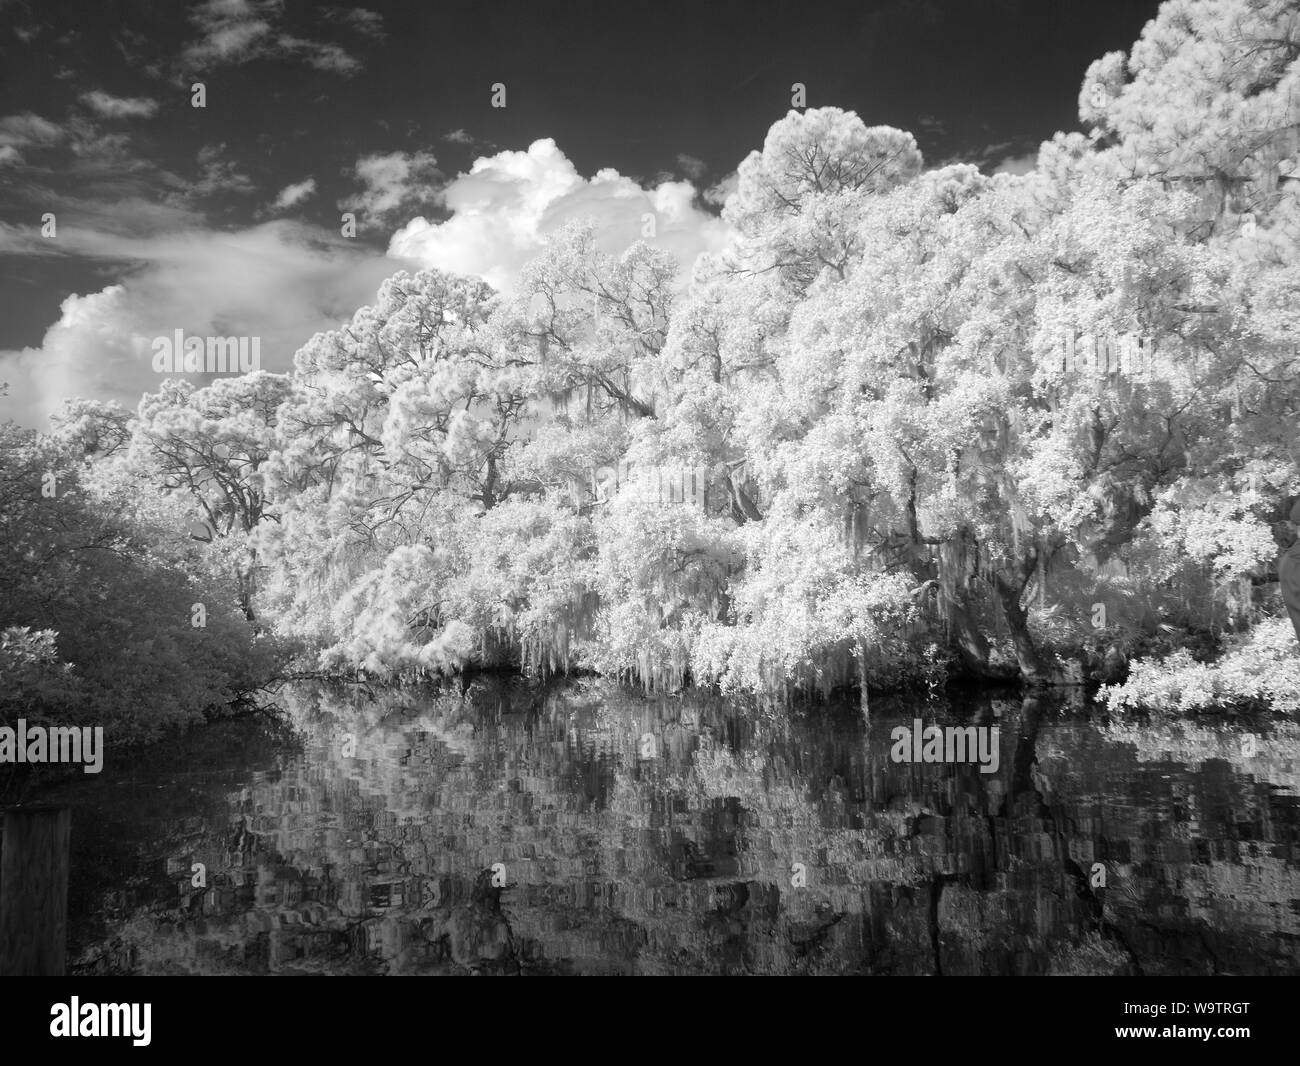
[930, 125]
[317, 54]
[28, 130]
[239, 31]
[107, 106]
[693, 168]
[365, 22]
[294, 194]
[232, 31]
[219, 174]
[392, 182]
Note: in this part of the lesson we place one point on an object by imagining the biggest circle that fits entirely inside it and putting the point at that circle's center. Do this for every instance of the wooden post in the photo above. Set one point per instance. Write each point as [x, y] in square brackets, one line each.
[34, 892]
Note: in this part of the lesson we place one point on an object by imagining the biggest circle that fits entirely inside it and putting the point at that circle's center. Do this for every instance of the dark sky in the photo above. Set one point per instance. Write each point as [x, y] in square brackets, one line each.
[616, 85]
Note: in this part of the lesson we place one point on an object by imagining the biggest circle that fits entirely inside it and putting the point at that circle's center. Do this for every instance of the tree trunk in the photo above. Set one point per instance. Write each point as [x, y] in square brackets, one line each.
[247, 579]
[969, 641]
[1022, 763]
[862, 681]
[1008, 592]
[964, 634]
[490, 481]
[742, 507]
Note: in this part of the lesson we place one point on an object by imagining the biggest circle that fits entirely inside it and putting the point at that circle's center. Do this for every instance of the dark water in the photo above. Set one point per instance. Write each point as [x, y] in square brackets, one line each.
[675, 855]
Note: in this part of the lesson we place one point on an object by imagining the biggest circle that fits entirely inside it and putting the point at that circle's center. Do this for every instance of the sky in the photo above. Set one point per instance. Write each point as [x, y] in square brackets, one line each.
[227, 219]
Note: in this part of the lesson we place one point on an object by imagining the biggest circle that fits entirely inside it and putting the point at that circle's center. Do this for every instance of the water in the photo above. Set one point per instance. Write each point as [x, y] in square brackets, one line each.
[677, 853]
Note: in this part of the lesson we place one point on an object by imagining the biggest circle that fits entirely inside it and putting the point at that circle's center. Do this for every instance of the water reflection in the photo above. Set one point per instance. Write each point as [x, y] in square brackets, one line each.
[588, 829]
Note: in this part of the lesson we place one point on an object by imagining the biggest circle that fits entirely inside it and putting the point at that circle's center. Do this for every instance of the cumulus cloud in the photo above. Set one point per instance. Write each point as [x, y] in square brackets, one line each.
[107, 106]
[294, 194]
[1017, 164]
[392, 182]
[720, 192]
[281, 281]
[503, 209]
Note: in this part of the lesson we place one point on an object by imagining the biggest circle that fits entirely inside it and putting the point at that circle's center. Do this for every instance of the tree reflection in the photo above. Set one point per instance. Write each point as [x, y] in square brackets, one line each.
[521, 830]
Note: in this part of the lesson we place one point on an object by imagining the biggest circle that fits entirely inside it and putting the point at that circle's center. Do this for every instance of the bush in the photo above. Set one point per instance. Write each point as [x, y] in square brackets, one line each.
[98, 604]
[1259, 670]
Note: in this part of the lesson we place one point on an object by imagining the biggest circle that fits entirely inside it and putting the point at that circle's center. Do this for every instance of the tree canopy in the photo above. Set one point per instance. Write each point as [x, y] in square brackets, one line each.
[909, 422]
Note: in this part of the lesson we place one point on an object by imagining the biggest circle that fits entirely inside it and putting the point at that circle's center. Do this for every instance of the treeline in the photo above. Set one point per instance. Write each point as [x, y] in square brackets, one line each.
[912, 472]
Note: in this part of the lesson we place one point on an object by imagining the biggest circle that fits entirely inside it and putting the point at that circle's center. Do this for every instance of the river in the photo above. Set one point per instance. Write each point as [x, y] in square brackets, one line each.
[586, 828]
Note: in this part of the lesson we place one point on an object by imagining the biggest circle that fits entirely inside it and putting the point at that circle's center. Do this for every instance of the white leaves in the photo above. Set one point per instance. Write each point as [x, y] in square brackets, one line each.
[821, 150]
[1211, 525]
[801, 605]
[875, 358]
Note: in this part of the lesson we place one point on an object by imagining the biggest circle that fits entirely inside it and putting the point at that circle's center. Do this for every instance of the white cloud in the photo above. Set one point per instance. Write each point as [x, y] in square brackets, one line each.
[218, 174]
[9, 155]
[1017, 164]
[390, 182]
[318, 54]
[719, 192]
[504, 208]
[107, 106]
[363, 21]
[232, 31]
[294, 194]
[693, 167]
[237, 31]
[28, 130]
[283, 281]
[280, 281]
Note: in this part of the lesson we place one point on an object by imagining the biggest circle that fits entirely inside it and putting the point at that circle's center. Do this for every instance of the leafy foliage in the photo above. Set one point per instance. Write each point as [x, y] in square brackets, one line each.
[903, 469]
[98, 584]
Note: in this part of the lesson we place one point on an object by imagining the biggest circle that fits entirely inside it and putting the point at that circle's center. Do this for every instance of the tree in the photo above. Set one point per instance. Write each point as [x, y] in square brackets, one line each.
[1207, 100]
[212, 443]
